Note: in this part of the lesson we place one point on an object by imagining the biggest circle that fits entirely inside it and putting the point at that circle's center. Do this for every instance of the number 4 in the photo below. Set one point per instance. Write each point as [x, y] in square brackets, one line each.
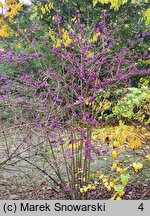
[141, 207]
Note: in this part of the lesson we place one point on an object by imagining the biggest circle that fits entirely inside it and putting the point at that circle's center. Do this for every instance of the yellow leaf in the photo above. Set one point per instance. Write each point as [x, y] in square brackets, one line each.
[114, 165]
[122, 150]
[111, 184]
[86, 103]
[81, 190]
[89, 186]
[126, 26]
[124, 182]
[137, 166]
[80, 170]
[114, 154]
[52, 35]
[95, 2]
[114, 196]
[106, 106]
[134, 143]
[18, 46]
[101, 176]
[120, 193]
[148, 156]
[89, 54]
[118, 198]
[1, 49]
[84, 179]
[58, 43]
[106, 184]
[66, 39]
[108, 188]
[115, 144]
[119, 170]
[93, 187]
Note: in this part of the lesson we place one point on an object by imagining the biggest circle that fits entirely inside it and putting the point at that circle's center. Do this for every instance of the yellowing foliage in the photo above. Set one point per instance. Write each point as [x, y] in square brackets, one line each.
[95, 37]
[89, 55]
[46, 8]
[137, 166]
[114, 166]
[64, 40]
[9, 2]
[102, 1]
[115, 4]
[118, 198]
[114, 154]
[14, 8]
[122, 136]
[147, 17]
[148, 156]
[4, 30]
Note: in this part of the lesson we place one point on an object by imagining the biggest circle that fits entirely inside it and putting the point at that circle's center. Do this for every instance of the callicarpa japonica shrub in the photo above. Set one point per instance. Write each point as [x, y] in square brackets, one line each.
[65, 101]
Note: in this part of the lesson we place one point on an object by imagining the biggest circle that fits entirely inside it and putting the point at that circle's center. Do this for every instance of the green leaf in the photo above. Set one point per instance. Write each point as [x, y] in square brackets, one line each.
[125, 177]
[85, 188]
[119, 188]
